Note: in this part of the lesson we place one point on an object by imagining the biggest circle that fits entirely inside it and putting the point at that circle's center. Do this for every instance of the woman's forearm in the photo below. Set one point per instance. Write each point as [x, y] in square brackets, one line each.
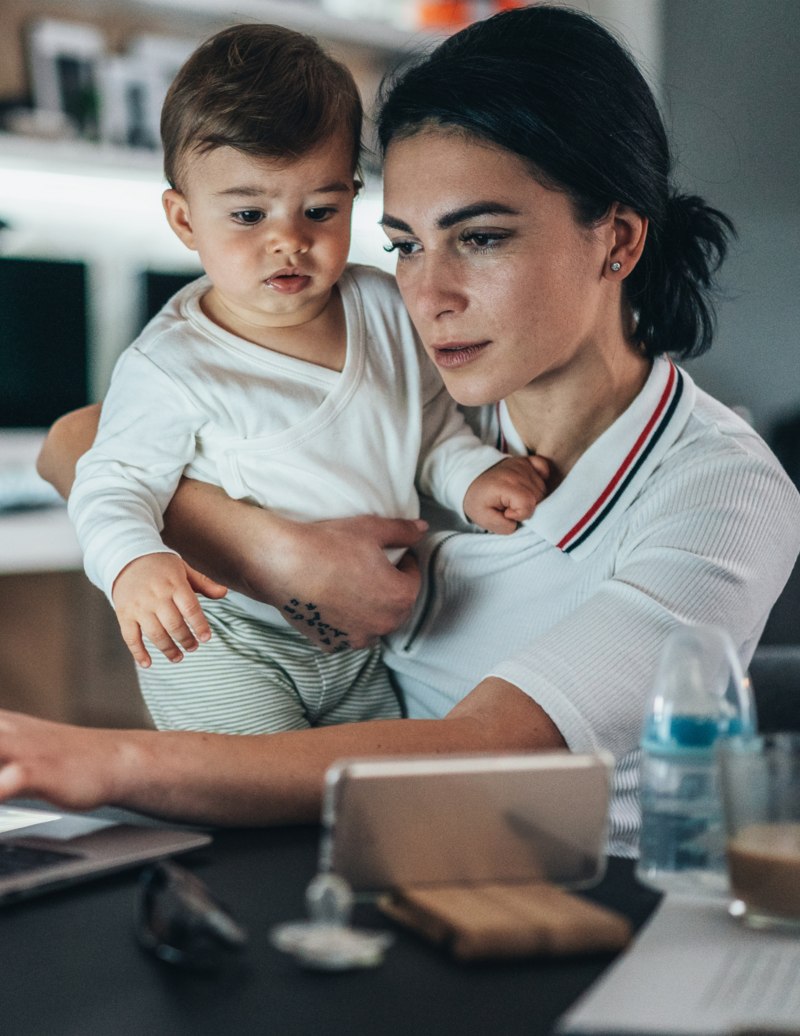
[67, 441]
[220, 536]
[338, 566]
[227, 779]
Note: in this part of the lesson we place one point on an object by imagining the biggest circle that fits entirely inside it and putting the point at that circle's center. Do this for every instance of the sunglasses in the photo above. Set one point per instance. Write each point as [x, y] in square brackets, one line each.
[182, 923]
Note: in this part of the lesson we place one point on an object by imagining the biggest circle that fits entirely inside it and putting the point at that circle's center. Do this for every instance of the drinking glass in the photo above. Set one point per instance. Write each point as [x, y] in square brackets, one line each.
[761, 804]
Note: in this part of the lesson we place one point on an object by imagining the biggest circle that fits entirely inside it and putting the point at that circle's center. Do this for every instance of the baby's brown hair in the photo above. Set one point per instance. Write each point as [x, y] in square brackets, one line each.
[262, 89]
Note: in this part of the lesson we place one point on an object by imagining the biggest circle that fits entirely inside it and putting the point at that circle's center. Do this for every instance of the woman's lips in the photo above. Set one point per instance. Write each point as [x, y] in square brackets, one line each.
[457, 354]
[287, 282]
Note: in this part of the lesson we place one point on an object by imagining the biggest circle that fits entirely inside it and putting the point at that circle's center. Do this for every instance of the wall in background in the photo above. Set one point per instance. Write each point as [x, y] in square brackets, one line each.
[732, 90]
[77, 202]
[726, 71]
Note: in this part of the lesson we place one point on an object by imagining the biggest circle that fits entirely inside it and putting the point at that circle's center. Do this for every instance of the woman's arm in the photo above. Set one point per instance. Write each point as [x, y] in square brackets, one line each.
[339, 566]
[226, 779]
[67, 441]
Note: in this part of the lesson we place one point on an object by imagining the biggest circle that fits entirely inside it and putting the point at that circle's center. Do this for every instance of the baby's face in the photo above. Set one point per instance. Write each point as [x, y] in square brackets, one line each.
[272, 235]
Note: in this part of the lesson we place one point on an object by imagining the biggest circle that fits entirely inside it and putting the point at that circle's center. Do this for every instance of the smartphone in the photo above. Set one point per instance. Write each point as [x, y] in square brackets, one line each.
[397, 822]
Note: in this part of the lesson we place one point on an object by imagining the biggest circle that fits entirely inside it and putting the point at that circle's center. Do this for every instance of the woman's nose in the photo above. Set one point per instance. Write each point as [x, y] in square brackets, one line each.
[437, 290]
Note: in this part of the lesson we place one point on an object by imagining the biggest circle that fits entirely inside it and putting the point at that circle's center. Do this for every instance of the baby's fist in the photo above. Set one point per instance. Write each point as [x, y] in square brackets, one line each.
[507, 493]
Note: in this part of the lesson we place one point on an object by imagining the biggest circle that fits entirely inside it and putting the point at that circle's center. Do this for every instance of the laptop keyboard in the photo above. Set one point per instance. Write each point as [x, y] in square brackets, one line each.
[17, 859]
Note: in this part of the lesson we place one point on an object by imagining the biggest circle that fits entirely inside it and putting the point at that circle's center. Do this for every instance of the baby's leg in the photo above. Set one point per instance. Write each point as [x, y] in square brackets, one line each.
[351, 687]
[240, 682]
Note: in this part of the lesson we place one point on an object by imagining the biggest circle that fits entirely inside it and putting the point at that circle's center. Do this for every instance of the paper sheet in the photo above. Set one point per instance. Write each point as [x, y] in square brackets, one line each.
[696, 970]
[12, 819]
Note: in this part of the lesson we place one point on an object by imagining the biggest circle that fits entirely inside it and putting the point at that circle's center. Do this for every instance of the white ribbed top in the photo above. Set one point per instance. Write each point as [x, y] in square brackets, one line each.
[678, 513]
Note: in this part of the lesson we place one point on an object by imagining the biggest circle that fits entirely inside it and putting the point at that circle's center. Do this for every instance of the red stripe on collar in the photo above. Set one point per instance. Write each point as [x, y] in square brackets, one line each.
[626, 464]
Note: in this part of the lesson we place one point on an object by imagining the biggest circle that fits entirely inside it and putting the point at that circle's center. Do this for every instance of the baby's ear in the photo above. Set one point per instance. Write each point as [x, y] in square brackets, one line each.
[176, 208]
[358, 185]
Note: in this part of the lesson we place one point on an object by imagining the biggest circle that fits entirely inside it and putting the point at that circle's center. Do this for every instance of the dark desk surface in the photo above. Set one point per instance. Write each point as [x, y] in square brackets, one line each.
[69, 965]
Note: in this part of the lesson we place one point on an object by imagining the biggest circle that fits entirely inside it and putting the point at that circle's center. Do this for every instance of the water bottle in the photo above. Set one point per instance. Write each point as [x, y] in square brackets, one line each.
[700, 695]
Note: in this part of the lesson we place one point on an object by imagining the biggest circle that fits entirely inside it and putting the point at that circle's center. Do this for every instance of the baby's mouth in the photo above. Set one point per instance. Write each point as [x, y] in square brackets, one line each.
[287, 282]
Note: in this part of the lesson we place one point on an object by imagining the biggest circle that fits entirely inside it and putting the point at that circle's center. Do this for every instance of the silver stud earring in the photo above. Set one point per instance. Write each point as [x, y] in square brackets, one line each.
[616, 266]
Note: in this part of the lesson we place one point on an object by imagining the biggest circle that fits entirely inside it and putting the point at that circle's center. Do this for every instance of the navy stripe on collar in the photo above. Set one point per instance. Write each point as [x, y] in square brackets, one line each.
[622, 478]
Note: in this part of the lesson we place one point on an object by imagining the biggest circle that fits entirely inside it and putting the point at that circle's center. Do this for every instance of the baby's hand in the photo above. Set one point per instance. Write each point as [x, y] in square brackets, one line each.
[155, 596]
[507, 494]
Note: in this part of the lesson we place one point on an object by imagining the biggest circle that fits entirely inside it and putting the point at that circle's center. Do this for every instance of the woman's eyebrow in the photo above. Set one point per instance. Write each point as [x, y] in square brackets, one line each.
[396, 224]
[480, 208]
[450, 219]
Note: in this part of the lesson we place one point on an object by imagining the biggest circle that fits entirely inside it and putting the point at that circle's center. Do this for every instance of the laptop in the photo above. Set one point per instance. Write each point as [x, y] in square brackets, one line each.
[43, 850]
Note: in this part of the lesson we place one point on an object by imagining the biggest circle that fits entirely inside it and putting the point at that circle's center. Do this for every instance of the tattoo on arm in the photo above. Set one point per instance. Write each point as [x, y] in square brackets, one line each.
[307, 615]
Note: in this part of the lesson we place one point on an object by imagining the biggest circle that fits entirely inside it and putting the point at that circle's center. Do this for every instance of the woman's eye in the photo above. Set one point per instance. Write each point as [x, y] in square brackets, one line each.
[320, 214]
[482, 241]
[248, 216]
[403, 248]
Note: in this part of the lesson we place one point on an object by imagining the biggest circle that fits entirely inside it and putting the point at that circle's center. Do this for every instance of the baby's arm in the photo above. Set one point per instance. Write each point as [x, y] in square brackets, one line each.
[467, 476]
[471, 478]
[122, 486]
[452, 457]
[155, 596]
[507, 494]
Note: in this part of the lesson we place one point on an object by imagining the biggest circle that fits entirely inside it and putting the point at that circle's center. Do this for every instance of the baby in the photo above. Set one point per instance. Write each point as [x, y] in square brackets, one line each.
[285, 376]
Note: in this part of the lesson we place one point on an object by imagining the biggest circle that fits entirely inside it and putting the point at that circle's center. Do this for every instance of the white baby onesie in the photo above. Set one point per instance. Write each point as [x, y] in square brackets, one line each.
[303, 441]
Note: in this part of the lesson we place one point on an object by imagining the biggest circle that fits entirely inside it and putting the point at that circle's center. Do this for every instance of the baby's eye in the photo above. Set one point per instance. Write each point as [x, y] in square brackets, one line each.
[405, 248]
[320, 214]
[248, 216]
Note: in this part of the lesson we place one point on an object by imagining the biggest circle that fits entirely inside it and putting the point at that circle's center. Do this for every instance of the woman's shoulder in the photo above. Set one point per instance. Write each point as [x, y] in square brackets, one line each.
[714, 431]
[718, 462]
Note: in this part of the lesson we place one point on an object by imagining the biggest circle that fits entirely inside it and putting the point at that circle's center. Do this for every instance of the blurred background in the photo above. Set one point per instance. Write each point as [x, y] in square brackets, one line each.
[86, 257]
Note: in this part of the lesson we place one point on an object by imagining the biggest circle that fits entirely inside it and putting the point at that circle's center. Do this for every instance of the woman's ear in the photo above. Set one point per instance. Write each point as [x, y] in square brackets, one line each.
[177, 210]
[628, 235]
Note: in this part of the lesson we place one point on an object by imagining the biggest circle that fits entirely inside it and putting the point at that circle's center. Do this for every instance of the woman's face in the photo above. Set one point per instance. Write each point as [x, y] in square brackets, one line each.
[504, 286]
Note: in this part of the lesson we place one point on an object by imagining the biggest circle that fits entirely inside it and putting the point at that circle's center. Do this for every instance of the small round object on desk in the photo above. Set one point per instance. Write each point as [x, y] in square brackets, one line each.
[331, 947]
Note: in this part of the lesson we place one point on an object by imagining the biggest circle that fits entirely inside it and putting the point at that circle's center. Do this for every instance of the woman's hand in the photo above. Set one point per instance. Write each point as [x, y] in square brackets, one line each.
[330, 579]
[333, 581]
[69, 767]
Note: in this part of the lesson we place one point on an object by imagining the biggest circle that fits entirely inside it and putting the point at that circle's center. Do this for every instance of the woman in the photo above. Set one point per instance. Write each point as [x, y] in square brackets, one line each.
[548, 267]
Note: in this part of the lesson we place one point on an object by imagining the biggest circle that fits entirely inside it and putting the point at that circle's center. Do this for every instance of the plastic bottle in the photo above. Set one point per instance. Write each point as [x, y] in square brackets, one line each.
[700, 695]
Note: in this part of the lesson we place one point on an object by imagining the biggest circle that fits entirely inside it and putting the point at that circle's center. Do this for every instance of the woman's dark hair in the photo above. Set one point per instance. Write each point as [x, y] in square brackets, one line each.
[554, 87]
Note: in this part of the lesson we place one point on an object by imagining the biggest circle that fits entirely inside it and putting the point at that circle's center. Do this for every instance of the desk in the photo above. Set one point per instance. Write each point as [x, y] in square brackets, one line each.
[69, 965]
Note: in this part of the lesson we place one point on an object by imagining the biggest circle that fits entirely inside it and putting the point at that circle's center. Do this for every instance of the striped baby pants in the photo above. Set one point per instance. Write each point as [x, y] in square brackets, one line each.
[253, 678]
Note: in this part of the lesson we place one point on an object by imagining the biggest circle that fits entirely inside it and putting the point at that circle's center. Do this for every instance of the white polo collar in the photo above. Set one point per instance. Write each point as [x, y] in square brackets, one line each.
[609, 475]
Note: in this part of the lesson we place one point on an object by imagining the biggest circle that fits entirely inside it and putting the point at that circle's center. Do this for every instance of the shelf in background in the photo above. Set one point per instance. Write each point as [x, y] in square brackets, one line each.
[304, 17]
[101, 205]
[81, 155]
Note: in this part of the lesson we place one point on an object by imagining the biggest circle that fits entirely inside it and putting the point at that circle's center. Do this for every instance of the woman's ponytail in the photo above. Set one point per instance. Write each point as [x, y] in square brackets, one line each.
[672, 287]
